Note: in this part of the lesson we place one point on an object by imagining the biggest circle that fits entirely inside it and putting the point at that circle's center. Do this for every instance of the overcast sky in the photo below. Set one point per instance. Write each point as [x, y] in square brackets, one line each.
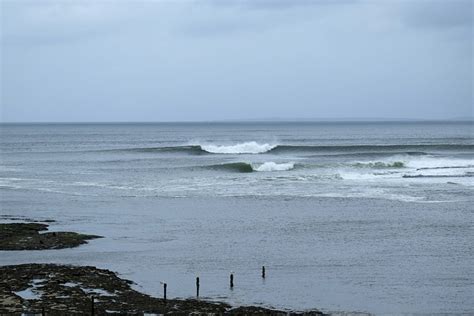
[215, 60]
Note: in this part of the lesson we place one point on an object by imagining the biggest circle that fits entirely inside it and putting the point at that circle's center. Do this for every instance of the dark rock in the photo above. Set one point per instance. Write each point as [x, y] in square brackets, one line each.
[27, 236]
[67, 290]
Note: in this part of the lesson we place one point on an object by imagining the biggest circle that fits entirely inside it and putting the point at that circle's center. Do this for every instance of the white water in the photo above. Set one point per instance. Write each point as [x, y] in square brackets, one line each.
[272, 166]
[241, 148]
[439, 162]
[399, 166]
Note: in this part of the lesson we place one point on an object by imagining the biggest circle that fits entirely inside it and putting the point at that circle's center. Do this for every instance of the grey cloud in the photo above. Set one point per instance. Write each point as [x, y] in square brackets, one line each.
[438, 13]
[278, 4]
[54, 22]
[164, 60]
[230, 17]
[49, 22]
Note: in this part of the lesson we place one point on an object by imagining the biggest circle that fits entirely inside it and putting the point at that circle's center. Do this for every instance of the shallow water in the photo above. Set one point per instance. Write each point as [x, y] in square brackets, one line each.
[370, 217]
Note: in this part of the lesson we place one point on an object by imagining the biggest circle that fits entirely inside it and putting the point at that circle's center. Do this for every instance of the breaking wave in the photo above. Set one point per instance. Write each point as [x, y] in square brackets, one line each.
[272, 166]
[245, 167]
[253, 147]
[256, 148]
[242, 148]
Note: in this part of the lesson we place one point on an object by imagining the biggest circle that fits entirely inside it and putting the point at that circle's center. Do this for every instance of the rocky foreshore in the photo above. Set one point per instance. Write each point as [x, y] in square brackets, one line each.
[53, 289]
[83, 290]
[33, 236]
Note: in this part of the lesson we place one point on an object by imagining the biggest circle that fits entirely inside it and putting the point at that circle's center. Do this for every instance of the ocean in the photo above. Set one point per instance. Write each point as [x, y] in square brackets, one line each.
[345, 216]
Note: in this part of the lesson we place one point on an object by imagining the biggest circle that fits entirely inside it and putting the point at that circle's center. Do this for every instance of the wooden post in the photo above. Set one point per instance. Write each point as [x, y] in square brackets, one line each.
[164, 291]
[197, 286]
[263, 272]
[92, 305]
[231, 280]
[42, 311]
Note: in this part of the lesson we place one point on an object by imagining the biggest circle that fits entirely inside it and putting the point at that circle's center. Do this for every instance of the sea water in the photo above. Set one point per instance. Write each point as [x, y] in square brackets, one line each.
[365, 216]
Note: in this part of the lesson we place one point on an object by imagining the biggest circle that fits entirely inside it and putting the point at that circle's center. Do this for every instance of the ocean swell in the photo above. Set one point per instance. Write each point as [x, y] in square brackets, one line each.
[243, 167]
[413, 148]
[253, 147]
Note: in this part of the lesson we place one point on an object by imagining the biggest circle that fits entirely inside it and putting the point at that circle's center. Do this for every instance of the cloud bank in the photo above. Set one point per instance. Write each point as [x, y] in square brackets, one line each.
[212, 60]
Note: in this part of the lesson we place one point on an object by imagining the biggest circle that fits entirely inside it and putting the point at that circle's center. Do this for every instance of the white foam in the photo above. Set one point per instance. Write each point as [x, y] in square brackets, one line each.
[272, 166]
[439, 162]
[242, 148]
[348, 175]
[420, 162]
[439, 167]
[427, 166]
[372, 193]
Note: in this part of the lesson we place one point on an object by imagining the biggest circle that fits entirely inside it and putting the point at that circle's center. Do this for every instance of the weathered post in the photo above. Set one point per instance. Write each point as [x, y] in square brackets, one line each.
[164, 291]
[197, 286]
[92, 305]
[231, 280]
[42, 311]
[263, 272]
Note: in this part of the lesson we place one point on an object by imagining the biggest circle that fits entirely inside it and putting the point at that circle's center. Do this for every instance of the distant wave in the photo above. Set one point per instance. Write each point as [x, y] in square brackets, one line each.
[180, 149]
[256, 148]
[242, 148]
[245, 167]
[364, 154]
[253, 147]
[412, 149]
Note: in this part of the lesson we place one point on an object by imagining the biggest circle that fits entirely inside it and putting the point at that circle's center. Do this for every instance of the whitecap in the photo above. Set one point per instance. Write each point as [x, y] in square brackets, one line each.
[272, 166]
[241, 148]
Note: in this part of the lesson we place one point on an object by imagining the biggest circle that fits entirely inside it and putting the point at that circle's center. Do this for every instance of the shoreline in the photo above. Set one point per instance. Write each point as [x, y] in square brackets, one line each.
[76, 290]
[157, 220]
[50, 288]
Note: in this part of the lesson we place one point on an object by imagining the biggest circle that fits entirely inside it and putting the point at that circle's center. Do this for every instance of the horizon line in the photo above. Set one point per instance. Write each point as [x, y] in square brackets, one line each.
[327, 120]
